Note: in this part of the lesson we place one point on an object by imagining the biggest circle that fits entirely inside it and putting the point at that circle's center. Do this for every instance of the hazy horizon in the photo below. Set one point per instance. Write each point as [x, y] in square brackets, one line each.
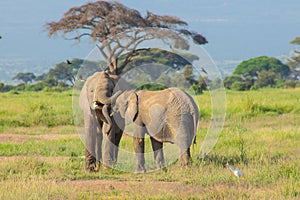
[235, 30]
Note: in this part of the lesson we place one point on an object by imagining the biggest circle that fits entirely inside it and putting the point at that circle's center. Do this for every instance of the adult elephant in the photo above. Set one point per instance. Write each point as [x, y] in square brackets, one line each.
[170, 115]
[94, 100]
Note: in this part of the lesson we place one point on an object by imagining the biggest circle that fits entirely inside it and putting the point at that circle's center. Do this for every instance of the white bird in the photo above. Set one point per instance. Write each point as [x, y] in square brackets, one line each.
[235, 171]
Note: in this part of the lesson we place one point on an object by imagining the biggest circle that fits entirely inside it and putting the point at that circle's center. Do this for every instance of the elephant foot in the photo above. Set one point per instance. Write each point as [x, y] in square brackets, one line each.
[161, 166]
[91, 163]
[185, 160]
[140, 170]
[164, 169]
[109, 165]
[92, 167]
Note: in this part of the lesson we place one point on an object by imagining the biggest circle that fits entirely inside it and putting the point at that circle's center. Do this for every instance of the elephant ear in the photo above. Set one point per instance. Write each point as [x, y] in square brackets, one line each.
[132, 108]
[90, 87]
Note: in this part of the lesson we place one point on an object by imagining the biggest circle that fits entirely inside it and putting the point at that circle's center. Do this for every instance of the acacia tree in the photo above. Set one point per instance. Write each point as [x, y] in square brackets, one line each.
[27, 77]
[294, 61]
[296, 41]
[102, 21]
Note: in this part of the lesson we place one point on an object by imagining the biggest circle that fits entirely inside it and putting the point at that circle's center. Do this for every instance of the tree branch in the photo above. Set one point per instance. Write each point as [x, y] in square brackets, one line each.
[104, 21]
[79, 36]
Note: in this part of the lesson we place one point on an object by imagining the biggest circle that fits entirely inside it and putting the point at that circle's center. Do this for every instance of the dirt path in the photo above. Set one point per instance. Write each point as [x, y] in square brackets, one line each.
[19, 138]
[44, 158]
[108, 186]
[138, 187]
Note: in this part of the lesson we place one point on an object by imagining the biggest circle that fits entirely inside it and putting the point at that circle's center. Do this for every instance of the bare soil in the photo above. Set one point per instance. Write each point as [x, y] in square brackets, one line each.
[19, 138]
[43, 158]
[138, 187]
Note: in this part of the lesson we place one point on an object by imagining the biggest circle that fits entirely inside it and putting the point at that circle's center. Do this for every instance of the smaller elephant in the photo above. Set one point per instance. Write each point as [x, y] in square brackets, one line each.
[169, 115]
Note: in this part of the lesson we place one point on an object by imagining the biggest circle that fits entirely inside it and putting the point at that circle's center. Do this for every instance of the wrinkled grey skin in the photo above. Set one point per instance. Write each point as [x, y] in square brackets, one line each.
[99, 87]
[169, 115]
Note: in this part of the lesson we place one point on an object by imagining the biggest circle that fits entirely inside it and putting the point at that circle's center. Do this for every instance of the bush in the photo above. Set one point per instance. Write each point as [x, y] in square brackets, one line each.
[290, 84]
[152, 87]
[55, 89]
[228, 81]
[279, 83]
[240, 86]
[197, 89]
[5, 88]
[216, 84]
[36, 87]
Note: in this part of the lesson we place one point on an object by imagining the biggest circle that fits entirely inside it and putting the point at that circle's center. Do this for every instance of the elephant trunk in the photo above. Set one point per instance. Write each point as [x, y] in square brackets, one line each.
[105, 111]
[106, 100]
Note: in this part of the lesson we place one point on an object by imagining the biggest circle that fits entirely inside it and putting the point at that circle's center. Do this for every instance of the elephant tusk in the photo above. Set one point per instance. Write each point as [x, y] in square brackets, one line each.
[111, 114]
[96, 106]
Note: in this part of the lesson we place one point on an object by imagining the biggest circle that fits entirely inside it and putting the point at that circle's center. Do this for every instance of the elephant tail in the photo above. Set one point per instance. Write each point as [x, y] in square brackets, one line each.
[195, 121]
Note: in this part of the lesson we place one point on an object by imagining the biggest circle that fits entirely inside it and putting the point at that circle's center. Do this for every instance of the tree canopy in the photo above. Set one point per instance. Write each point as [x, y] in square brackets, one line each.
[102, 21]
[263, 63]
[155, 55]
[294, 61]
[296, 41]
[64, 72]
[26, 77]
[258, 72]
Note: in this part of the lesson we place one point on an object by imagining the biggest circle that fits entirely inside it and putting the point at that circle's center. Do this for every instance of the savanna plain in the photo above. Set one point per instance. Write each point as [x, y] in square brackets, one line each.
[42, 156]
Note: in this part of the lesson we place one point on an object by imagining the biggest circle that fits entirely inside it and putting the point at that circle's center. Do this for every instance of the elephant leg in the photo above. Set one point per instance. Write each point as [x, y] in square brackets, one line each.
[90, 161]
[185, 158]
[118, 136]
[139, 148]
[93, 142]
[184, 145]
[184, 138]
[158, 153]
[111, 144]
[109, 149]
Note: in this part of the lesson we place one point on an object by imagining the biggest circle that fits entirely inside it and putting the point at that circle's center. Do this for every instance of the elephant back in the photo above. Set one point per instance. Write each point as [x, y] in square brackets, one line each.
[183, 101]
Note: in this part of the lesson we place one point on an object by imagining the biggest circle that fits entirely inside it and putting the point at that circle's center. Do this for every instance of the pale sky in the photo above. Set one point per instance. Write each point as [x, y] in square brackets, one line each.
[235, 29]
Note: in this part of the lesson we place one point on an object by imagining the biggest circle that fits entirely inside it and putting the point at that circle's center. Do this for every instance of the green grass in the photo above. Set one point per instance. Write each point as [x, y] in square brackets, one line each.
[28, 109]
[60, 147]
[261, 136]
